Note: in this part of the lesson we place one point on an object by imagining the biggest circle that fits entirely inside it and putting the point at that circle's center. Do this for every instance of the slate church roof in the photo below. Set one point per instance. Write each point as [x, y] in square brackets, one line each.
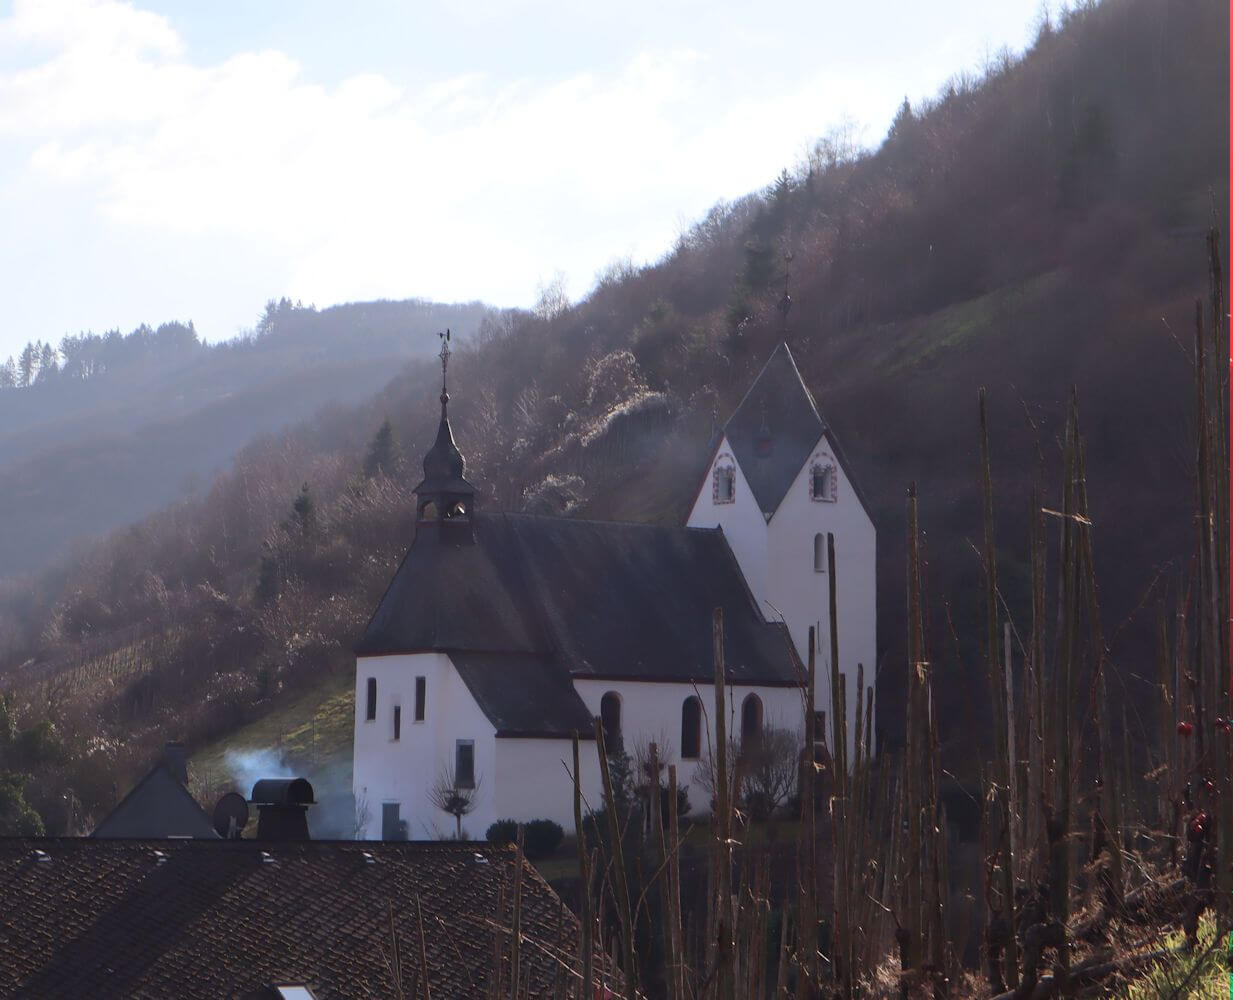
[535, 601]
[193, 919]
[775, 428]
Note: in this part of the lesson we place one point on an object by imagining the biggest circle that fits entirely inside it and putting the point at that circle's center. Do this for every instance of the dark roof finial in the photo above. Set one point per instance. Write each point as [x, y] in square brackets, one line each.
[785, 303]
[445, 362]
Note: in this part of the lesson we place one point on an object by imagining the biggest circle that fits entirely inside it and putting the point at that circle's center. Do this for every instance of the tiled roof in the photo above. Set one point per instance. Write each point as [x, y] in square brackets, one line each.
[226, 918]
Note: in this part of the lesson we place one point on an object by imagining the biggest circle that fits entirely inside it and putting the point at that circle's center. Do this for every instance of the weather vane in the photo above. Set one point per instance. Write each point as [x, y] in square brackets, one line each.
[785, 304]
[445, 361]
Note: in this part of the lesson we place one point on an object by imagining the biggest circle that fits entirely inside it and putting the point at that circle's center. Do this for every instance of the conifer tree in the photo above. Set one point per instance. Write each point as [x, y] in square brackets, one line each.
[383, 455]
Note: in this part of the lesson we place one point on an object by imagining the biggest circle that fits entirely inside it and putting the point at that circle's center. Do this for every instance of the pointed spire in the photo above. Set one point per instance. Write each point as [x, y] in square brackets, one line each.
[444, 493]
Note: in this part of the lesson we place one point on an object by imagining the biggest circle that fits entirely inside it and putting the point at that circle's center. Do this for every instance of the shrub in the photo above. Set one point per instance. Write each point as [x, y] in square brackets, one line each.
[541, 837]
[503, 831]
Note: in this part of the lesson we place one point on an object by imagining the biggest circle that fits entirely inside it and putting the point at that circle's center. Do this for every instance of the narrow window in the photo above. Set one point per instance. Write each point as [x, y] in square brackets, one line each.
[391, 825]
[464, 764]
[610, 717]
[751, 722]
[421, 692]
[819, 553]
[724, 487]
[397, 722]
[691, 728]
[370, 709]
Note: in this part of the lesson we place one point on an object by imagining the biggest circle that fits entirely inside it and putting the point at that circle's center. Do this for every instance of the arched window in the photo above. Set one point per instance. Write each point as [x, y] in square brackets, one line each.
[610, 718]
[819, 553]
[751, 722]
[691, 729]
[822, 479]
[723, 489]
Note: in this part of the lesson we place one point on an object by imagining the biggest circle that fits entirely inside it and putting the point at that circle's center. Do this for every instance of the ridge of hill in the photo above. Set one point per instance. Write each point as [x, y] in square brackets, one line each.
[108, 428]
[1026, 231]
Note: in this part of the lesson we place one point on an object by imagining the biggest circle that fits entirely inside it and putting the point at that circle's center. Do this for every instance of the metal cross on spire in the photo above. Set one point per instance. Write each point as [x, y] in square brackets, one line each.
[445, 361]
[785, 303]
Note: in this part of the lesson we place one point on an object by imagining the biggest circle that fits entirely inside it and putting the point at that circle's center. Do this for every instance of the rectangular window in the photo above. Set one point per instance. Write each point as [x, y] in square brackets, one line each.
[397, 722]
[464, 764]
[421, 692]
[391, 825]
[370, 710]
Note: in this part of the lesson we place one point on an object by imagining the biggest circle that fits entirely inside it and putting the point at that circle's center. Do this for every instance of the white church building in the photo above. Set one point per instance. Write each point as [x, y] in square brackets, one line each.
[501, 635]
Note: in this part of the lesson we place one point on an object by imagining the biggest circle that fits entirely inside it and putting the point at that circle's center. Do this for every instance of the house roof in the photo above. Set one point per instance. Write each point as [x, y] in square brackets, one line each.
[590, 598]
[232, 918]
[524, 695]
[774, 429]
[157, 806]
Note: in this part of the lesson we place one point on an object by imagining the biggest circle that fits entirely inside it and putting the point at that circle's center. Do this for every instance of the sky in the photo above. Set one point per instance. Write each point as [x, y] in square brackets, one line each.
[164, 160]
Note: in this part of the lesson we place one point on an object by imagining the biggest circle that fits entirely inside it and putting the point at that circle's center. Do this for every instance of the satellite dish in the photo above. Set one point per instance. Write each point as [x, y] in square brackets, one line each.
[230, 815]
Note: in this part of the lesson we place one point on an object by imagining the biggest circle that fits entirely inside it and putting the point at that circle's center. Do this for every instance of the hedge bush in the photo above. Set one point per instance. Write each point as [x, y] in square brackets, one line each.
[503, 831]
[540, 836]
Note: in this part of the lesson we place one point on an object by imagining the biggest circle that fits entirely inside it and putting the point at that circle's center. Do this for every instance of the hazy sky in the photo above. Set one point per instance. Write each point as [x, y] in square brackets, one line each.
[191, 160]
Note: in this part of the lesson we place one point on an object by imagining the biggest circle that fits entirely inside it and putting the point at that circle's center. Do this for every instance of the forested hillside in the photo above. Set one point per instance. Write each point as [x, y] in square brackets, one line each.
[1036, 227]
[103, 428]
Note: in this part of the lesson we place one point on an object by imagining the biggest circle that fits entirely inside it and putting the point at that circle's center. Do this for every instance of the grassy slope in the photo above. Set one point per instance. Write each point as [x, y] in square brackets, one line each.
[311, 736]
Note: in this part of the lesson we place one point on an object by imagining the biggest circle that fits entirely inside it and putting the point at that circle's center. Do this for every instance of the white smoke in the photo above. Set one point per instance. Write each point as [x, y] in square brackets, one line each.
[246, 767]
[333, 817]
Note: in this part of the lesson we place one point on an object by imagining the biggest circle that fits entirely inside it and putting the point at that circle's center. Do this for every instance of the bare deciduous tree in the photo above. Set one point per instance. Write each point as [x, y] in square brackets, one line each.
[447, 796]
[362, 817]
[769, 771]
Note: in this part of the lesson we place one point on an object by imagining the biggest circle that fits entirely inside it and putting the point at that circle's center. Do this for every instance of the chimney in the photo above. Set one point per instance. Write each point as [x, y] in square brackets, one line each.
[282, 808]
[175, 761]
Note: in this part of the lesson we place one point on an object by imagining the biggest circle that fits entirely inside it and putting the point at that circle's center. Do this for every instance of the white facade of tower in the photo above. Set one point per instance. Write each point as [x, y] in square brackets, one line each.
[783, 559]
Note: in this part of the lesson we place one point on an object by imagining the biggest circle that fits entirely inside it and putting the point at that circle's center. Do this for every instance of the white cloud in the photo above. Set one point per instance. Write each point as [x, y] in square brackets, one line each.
[467, 186]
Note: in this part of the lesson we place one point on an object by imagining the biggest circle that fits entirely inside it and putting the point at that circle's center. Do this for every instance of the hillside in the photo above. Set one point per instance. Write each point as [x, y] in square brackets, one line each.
[1036, 228]
[114, 427]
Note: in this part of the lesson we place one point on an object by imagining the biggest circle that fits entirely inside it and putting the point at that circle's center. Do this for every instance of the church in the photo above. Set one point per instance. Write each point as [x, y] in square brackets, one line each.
[502, 635]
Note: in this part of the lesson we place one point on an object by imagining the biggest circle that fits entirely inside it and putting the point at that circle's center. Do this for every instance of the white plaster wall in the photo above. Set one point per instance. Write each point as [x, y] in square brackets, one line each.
[777, 561]
[801, 594]
[743, 523]
[404, 770]
[652, 712]
[520, 779]
[534, 780]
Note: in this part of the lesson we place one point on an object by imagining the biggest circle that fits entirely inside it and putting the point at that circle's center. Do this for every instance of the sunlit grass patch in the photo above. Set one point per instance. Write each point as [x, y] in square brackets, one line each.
[1201, 973]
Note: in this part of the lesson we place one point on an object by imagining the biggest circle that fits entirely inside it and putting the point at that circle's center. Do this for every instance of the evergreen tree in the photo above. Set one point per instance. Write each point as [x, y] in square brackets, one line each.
[305, 509]
[27, 366]
[383, 456]
[48, 365]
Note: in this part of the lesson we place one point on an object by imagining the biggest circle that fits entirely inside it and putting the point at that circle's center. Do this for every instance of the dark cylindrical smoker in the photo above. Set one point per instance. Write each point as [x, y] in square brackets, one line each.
[282, 808]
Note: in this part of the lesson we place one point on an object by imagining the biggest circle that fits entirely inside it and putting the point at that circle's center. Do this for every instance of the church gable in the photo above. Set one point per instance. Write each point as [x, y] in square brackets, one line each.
[774, 430]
